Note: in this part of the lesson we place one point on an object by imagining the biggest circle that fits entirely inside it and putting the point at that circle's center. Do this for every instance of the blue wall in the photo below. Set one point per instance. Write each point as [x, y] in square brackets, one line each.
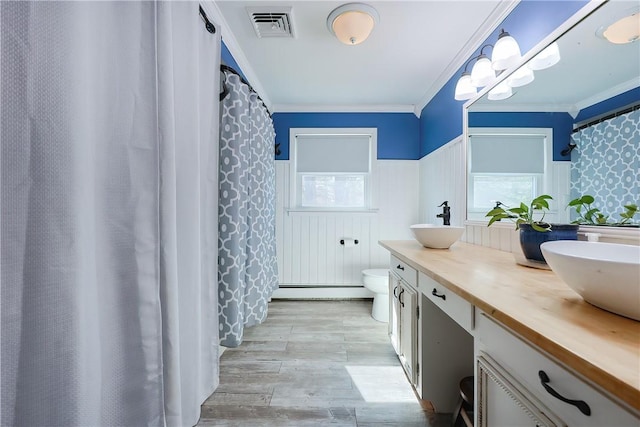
[398, 133]
[228, 59]
[529, 23]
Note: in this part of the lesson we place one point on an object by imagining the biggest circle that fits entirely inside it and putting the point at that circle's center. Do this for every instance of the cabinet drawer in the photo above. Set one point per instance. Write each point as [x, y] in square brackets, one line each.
[453, 305]
[525, 363]
[407, 273]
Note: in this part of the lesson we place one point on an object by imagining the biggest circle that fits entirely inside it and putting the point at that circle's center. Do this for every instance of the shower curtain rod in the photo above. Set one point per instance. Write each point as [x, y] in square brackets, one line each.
[225, 92]
[207, 24]
[607, 117]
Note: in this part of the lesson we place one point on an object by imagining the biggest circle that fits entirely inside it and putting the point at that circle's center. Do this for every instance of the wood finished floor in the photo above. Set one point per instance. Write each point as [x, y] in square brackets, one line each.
[315, 363]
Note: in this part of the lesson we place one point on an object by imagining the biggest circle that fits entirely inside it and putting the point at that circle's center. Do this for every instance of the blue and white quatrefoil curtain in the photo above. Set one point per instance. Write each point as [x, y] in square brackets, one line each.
[248, 272]
[606, 163]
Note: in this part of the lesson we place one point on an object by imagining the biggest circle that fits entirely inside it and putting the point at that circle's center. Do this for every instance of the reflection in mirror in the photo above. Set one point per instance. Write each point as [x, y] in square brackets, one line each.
[595, 89]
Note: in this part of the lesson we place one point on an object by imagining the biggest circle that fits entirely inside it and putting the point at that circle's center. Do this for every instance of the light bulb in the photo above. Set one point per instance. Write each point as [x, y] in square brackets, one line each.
[482, 73]
[521, 77]
[506, 52]
[464, 89]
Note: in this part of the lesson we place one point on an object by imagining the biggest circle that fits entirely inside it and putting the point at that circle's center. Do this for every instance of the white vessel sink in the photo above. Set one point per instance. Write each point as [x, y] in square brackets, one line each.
[606, 275]
[436, 236]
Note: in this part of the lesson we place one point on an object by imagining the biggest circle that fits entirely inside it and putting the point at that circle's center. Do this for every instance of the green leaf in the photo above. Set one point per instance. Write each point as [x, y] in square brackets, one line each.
[587, 199]
[537, 227]
[496, 211]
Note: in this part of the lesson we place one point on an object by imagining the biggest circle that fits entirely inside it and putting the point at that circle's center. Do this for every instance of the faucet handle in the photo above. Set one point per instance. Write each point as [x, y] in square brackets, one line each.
[445, 204]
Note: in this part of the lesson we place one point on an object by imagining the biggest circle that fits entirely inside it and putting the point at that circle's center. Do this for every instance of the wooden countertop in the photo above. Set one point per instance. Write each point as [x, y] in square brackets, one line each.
[602, 347]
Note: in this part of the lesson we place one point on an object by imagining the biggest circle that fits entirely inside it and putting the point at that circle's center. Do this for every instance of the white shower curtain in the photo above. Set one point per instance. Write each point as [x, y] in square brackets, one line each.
[109, 130]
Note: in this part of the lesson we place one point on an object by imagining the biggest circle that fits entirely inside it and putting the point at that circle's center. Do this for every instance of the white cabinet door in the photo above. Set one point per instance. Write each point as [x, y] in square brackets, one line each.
[503, 402]
[394, 312]
[408, 298]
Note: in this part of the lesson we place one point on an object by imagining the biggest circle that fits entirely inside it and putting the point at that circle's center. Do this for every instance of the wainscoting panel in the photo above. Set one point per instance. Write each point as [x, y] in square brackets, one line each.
[442, 177]
[308, 243]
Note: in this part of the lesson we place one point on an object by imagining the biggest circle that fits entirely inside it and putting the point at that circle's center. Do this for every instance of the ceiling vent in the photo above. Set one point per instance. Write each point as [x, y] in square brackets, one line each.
[271, 22]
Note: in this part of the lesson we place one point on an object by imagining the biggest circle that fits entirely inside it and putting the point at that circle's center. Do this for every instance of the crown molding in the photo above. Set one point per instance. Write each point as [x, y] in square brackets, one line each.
[609, 93]
[233, 46]
[306, 108]
[521, 108]
[499, 13]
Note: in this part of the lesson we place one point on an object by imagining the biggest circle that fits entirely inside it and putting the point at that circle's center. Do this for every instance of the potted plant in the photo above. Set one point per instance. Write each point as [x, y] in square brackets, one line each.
[587, 214]
[533, 231]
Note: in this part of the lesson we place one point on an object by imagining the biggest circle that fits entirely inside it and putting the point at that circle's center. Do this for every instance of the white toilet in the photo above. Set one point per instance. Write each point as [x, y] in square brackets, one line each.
[377, 281]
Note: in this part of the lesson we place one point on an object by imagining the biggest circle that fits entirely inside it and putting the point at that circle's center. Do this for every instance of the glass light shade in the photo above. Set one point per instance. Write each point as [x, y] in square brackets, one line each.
[464, 89]
[522, 76]
[502, 91]
[506, 52]
[352, 23]
[625, 30]
[545, 59]
[482, 73]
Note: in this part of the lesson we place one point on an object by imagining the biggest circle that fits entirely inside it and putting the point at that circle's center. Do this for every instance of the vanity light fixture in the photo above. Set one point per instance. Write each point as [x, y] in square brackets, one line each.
[482, 72]
[548, 57]
[505, 54]
[522, 76]
[464, 89]
[352, 23]
[622, 31]
[501, 91]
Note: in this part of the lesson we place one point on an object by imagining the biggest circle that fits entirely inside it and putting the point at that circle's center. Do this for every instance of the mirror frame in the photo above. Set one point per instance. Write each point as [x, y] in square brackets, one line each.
[589, 8]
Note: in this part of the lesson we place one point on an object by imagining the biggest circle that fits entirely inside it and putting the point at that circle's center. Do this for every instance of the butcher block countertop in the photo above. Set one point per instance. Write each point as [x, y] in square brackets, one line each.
[602, 347]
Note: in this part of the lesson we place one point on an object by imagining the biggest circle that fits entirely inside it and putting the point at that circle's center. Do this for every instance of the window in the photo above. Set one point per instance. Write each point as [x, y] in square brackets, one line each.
[331, 169]
[506, 165]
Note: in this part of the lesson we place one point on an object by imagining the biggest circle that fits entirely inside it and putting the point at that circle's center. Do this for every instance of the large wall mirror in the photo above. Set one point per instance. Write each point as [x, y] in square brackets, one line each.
[593, 80]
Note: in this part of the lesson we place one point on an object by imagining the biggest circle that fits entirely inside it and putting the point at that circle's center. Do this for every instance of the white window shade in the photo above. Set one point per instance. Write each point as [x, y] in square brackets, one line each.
[517, 154]
[333, 153]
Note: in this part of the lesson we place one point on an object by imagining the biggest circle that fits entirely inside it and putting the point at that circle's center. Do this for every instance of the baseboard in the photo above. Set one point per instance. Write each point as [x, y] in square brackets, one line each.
[322, 292]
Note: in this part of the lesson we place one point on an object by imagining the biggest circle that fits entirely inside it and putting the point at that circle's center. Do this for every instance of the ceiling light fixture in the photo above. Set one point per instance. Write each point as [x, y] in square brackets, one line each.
[624, 30]
[548, 57]
[505, 54]
[501, 91]
[353, 22]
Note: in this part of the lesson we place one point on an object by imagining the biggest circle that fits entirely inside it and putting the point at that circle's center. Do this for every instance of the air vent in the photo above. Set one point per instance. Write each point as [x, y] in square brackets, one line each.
[271, 22]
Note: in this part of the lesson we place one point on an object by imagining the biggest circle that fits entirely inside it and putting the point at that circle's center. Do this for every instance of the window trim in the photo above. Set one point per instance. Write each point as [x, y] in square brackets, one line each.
[547, 181]
[294, 185]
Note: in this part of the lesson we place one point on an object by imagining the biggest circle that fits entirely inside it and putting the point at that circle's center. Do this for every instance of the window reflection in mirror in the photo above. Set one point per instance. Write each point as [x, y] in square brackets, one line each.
[609, 80]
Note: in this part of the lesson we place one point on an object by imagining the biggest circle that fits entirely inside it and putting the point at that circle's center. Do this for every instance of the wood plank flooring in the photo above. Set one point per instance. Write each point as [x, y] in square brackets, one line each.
[315, 363]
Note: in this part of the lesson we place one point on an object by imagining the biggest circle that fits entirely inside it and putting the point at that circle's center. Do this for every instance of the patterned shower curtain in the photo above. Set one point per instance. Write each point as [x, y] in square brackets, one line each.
[606, 163]
[247, 262]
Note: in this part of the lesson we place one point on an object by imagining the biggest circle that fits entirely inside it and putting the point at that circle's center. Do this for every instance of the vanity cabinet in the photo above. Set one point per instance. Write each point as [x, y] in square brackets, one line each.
[539, 353]
[404, 315]
[518, 383]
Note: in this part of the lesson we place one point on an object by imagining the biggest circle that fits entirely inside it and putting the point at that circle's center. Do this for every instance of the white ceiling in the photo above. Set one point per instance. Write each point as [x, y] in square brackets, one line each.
[414, 49]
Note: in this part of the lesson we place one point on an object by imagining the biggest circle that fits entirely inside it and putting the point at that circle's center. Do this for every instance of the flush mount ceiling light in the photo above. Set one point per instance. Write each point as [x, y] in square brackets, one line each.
[622, 31]
[353, 22]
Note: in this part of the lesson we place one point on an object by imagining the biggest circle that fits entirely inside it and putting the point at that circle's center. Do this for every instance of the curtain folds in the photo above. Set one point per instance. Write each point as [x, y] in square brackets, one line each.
[109, 229]
[247, 272]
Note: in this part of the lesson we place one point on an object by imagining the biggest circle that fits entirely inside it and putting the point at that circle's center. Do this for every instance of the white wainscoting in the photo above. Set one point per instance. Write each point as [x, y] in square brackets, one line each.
[442, 177]
[308, 243]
